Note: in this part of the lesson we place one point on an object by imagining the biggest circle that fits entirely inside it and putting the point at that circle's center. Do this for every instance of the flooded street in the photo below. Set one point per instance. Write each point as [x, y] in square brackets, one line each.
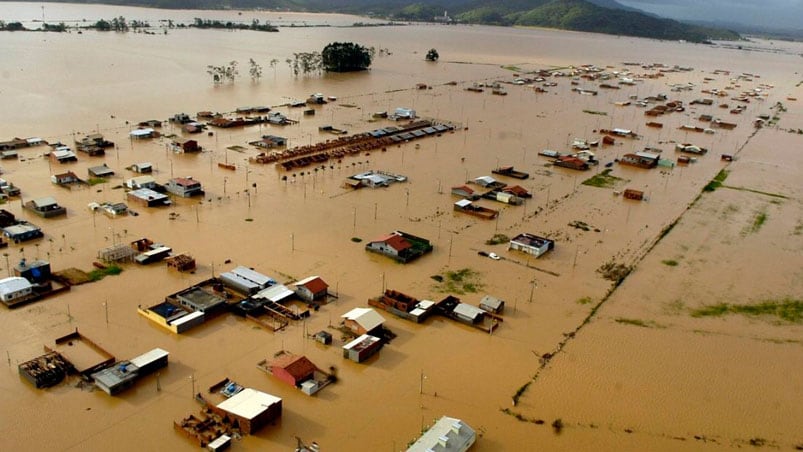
[635, 372]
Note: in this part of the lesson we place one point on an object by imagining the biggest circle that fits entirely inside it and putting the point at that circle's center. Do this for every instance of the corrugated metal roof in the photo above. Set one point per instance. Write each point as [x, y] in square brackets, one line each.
[249, 403]
[365, 317]
[275, 293]
[149, 357]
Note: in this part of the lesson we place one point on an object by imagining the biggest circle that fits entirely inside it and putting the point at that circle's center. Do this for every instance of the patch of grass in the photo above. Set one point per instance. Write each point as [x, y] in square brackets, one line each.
[798, 228]
[249, 219]
[670, 262]
[585, 300]
[100, 273]
[614, 272]
[520, 392]
[674, 307]
[717, 181]
[460, 282]
[356, 239]
[774, 195]
[511, 67]
[557, 426]
[787, 309]
[96, 181]
[595, 112]
[497, 239]
[603, 180]
[758, 221]
[637, 322]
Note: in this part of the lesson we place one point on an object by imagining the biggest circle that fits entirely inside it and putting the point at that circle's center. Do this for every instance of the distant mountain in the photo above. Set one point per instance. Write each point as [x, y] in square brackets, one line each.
[599, 16]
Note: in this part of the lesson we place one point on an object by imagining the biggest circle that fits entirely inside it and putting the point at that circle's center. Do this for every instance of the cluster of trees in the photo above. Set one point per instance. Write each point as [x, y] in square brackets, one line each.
[18, 26]
[336, 57]
[12, 26]
[432, 55]
[227, 72]
[346, 57]
[255, 25]
[119, 24]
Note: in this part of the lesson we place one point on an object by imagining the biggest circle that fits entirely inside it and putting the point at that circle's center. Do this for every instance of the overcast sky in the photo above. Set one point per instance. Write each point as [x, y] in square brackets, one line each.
[765, 13]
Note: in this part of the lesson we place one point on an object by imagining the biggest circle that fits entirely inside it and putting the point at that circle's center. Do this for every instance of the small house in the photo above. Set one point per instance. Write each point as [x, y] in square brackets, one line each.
[100, 171]
[448, 434]
[531, 244]
[22, 232]
[188, 146]
[63, 155]
[310, 289]
[15, 289]
[141, 182]
[463, 191]
[492, 304]
[324, 337]
[401, 246]
[186, 187]
[640, 159]
[363, 320]
[181, 263]
[362, 348]
[636, 195]
[142, 168]
[143, 133]
[250, 410]
[65, 178]
[293, 369]
[46, 207]
[246, 280]
[148, 198]
[404, 113]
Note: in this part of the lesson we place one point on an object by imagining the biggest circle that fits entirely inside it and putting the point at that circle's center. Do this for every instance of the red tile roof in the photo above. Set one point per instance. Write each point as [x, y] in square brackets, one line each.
[297, 366]
[316, 285]
[398, 242]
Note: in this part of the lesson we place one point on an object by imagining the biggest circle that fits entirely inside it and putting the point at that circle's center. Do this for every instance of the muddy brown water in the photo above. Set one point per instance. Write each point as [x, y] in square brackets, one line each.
[725, 380]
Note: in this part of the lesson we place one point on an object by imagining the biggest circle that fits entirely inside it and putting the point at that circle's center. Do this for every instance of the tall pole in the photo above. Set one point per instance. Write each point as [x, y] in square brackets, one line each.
[421, 384]
[106, 309]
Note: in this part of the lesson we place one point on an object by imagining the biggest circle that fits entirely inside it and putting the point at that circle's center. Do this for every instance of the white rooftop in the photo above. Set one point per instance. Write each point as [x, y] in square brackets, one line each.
[251, 275]
[365, 317]
[468, 310]
[149, 357]
[448, 434]
[275, 293]
[249, 403]
[13, 284]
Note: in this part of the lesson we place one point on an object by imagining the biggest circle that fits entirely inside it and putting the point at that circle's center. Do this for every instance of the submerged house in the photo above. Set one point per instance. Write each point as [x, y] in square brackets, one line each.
[640, 159]
[531, 244]
[311, 289]
[22, 231]
[250, 410]
[362, 348]
[46, 207]
[400, 246]
[363, 320]
[100, 171]
[246, 280]
[293, 369]
[186, 187]
[148, 198]
[448, 434]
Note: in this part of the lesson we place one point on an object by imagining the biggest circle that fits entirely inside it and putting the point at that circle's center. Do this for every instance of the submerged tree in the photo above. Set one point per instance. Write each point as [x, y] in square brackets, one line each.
[345, 57]
[432, 55]
[255, 70]
[220, 73]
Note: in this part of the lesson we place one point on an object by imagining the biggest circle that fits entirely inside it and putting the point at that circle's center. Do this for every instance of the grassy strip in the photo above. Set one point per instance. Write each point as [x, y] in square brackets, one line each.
[788, 309]
[758, 221]
[100, 273]
[638, 322]
[603, 180]
[774, 195]
[717, 181]
[670, 262]
[595, 112]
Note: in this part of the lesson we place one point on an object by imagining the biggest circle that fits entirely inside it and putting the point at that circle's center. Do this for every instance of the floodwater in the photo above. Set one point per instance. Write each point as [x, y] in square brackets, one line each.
[615, 385]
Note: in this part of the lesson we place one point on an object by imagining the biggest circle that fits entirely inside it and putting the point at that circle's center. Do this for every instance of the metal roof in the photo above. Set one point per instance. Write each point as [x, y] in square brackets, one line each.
[13, 284]
[251, 275]
[275, 293]
[365, 317]
[149, 357]
[249, 403]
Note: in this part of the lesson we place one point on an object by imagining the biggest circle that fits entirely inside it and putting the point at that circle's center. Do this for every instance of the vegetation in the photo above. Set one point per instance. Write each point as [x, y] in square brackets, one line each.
[497, 239]
[585, 300]
[305, 63]
[254, 69]
[670, 262]
[356, 239]
[520, 392]
[758, 221]
[100, 273]
[345, 57]
[432, 55]
[614, 272]
[787, 309]
[459, 282]
[220, 73]
[717, 181]
[229, 25]
[603, 180]
[637, 322]
[557, 425]
[96, 180]
[595, 112]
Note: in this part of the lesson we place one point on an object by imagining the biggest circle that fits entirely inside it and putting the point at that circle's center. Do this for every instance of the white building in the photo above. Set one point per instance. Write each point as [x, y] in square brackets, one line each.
[14, 288]
[448, 434]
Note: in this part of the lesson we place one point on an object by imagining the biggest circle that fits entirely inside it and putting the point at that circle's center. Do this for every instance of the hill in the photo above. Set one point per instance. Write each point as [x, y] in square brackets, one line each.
[600, 16]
